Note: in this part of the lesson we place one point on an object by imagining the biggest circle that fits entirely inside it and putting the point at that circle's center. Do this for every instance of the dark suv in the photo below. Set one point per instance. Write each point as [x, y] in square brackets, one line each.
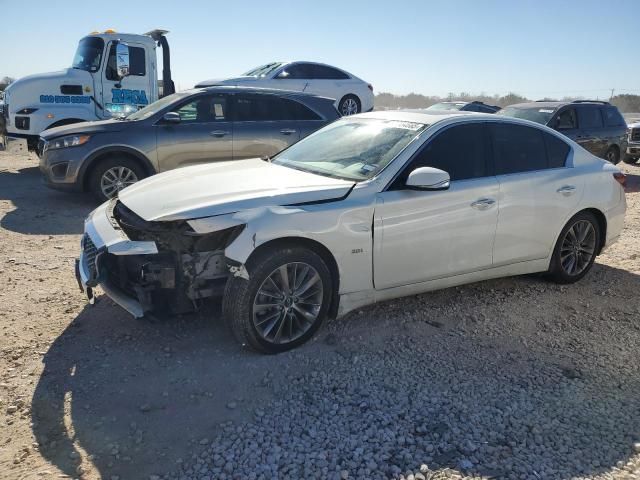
[475, 106]
[597, 126]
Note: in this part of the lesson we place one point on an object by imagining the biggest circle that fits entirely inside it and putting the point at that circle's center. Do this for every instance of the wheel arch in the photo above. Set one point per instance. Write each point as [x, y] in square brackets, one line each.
[602, 223]
[316, 247]
[96, 157]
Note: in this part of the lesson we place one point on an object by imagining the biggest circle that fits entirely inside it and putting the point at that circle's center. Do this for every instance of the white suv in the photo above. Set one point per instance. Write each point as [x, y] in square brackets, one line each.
[352, 94]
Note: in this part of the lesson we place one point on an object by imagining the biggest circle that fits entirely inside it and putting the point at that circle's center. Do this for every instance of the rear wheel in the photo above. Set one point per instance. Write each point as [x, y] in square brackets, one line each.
[112, 175]
[576, 249]
[349, 105]
[613, 155]
[284, 301]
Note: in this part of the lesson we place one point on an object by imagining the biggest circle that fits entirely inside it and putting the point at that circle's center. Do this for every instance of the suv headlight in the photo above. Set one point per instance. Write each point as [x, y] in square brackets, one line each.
[68, 141]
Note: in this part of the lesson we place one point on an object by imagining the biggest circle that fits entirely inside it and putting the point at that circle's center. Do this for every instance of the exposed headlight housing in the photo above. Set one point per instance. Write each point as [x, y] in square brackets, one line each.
[68, 141]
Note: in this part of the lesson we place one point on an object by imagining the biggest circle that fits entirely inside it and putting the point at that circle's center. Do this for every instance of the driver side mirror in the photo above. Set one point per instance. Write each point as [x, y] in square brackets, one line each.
[171, 117]
[282, 74]
[428, 178]
[122, 60]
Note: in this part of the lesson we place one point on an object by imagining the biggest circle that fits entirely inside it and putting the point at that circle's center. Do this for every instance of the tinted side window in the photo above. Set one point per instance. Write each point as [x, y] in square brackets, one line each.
[567, 120]
[203, 109]
[459, 150]
[298, 71]
[327, 73]
[590, 117]
[612, 117]
[137, 64]
[265, 108]
[517, 148]
[557, 150]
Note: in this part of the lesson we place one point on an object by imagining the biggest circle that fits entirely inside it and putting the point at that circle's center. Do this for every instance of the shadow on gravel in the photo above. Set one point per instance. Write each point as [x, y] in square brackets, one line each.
[416, 381]
[35, 204]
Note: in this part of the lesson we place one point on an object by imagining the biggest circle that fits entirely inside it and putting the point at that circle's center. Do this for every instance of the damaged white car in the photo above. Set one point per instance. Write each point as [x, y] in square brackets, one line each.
[369, 208]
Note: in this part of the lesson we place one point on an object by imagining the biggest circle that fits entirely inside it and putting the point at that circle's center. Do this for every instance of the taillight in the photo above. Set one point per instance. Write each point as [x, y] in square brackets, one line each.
[370, 87]
[620, 177]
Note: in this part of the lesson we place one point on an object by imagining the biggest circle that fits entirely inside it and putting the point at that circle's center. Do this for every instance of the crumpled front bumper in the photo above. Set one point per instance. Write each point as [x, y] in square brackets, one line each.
[102, 235]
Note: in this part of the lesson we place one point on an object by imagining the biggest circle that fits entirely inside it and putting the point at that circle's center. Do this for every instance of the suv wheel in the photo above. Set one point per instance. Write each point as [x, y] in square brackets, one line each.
[112, 175]
[613, 155]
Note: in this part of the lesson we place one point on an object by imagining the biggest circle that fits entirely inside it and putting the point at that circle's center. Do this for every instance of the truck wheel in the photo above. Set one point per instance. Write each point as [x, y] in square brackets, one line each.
[630, 160]
[613, 155]
[113, 174]
[284, 301]
[349, 105]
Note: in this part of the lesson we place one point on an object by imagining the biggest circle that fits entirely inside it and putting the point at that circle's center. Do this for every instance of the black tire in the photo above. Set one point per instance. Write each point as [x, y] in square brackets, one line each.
[348, 104]
[115, 162]
[558, 272]
[630, 160]
[613, 154]
[240, 296]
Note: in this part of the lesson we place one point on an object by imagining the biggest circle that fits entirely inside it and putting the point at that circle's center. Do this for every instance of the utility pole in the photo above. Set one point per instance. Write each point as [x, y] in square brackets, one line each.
[612, 90]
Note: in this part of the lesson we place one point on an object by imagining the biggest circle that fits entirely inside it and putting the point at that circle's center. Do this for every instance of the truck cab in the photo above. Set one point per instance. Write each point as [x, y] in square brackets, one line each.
[95, 87]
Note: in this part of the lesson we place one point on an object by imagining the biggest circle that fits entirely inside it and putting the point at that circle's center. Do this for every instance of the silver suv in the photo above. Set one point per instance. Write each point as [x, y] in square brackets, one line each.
[187, 128]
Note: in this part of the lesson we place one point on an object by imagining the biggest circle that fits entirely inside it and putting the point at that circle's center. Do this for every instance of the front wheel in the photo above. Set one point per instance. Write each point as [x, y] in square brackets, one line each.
[112, 175]
[284, 301]
[576, 249]
[613, 155]
[349, 105]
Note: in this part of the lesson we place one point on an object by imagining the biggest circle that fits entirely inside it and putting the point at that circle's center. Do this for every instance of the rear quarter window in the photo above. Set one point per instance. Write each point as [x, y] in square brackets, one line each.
[557, 150]
[612, 117]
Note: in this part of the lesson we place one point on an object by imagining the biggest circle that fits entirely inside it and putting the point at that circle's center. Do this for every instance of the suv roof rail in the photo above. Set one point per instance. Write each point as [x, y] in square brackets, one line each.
[601, 102]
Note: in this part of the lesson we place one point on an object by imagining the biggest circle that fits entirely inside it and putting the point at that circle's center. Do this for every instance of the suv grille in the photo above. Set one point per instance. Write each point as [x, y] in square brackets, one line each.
[635, 135]
[90, 254]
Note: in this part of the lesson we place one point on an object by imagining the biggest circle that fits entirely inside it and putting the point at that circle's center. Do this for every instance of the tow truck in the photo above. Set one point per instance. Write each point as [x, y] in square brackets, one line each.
[112, 74]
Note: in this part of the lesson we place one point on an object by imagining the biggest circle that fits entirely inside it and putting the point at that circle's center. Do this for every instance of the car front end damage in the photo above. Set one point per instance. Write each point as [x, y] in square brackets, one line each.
[151, 266]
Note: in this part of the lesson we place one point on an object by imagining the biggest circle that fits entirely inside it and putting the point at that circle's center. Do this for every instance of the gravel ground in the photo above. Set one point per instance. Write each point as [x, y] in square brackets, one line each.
[514, 378]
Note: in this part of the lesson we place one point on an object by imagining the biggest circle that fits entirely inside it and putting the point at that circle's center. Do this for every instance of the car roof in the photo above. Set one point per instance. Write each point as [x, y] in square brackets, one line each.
[428, 117]
[556, 104]
[243, 89]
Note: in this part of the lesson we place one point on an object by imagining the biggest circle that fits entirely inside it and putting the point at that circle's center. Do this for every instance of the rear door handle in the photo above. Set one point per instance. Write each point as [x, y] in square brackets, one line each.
[287, 131]
[218, 133]
[567, 190]
[483, 203]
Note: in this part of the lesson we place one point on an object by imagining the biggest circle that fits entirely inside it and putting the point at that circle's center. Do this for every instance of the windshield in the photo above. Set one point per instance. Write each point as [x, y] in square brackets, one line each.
[351, 149]
[89, 54]
[539, 115]
[156, 106]
[447, 106]
[263, 70]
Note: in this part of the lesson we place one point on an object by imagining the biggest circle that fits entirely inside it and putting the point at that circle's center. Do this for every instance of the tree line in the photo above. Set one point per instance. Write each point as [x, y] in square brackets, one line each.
[388, 101]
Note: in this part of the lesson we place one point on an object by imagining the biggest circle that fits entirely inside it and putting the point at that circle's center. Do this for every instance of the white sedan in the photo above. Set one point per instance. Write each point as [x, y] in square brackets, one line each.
[352, 95]
[369, 208]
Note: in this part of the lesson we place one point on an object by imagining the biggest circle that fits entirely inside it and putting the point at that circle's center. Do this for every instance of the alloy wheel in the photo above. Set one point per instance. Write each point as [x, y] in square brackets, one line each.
[349, 107]
[578, 247]
[115, 179]
[288, 303]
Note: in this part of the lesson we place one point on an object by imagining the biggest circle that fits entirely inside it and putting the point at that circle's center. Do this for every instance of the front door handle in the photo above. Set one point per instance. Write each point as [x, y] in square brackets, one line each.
[287, 131]
[483, 203]
[567, 190]
[218, 133]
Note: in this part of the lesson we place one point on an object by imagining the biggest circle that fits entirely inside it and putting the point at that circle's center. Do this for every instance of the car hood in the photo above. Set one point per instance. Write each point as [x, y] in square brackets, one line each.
[227, 187]
[97, 126]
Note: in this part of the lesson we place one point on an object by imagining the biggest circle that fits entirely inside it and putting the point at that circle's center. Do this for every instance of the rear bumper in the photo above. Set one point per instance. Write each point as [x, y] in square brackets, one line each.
[615, 221]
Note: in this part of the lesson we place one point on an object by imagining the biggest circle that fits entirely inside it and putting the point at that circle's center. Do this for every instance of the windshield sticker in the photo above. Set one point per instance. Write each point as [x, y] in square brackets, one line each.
[406, 125]
[546, 110]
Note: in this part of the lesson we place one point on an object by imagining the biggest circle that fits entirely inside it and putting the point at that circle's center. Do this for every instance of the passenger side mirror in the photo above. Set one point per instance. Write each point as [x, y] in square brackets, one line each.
[282, 74]
[428, 178]
[122, 60]
[171, 117]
